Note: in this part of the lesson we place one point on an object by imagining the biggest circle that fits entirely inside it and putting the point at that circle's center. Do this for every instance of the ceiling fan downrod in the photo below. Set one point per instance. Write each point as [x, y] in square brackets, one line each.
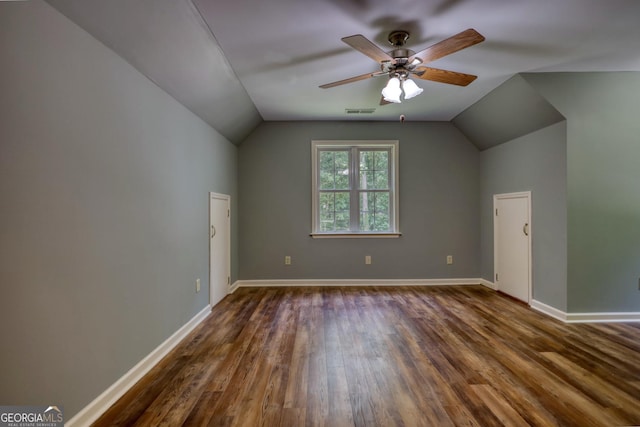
[398, 38]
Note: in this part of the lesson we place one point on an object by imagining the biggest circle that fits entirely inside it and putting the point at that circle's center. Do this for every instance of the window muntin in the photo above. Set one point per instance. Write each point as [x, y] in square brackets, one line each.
[355, 188]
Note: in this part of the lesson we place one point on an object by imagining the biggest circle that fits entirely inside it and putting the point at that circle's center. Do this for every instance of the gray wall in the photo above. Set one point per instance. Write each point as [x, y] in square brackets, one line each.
[439, 204]
[536, 162]
[104, 183]
[603, 182]
[511, 110]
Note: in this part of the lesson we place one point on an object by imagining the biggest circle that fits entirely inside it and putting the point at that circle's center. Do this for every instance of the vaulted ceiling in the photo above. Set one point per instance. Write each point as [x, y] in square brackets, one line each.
[236, 63]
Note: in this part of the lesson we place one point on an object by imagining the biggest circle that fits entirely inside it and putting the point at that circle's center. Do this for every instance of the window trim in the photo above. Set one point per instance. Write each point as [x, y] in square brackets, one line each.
[393, 146]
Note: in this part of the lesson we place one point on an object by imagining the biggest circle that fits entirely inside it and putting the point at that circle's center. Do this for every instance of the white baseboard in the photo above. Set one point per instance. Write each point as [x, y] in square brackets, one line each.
[234, 287]
[488, 284]
[585, 317]
[355, 282]
[548, 310]
[603, 317]
[100, 404]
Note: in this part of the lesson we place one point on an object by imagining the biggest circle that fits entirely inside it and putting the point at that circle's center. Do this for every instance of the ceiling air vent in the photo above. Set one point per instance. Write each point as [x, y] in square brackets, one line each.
[359, 110]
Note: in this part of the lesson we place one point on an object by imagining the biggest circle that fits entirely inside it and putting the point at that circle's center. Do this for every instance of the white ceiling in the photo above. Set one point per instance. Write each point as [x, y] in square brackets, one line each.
[226, 59]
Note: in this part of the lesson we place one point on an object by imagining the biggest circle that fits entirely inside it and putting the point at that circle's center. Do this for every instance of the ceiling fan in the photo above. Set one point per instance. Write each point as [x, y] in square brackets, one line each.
[400, 63]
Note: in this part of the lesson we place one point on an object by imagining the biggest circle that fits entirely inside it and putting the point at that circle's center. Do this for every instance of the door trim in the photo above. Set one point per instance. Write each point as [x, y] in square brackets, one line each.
[517, 195]
[226, 198]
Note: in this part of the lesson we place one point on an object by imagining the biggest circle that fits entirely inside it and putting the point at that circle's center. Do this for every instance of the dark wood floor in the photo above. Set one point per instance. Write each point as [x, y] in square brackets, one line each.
[387, 356]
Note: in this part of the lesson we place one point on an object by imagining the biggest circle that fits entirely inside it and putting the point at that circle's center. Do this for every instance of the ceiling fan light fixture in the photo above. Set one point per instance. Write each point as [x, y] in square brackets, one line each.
[392, 91]
[411, 89]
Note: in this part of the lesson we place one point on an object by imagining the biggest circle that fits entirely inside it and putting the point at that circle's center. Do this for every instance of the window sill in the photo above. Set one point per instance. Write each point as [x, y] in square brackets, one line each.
[355, 235]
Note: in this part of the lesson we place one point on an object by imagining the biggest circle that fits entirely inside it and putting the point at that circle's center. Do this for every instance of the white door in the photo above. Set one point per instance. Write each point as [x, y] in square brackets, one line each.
[512, 244]
[219, 247]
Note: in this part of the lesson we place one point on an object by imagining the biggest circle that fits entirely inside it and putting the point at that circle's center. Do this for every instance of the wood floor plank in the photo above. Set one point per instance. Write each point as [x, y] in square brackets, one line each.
[498, 405]
[317, 386]
[605, 393]
[388, 356]
[203, 409]
[296, 391]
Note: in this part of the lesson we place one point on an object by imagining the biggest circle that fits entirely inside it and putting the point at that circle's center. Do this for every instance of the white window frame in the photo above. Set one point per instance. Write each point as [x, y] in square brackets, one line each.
[394, 214]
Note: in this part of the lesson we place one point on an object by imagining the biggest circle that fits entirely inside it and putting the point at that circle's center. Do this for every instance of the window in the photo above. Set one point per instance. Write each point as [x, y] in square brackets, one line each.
[355, 188]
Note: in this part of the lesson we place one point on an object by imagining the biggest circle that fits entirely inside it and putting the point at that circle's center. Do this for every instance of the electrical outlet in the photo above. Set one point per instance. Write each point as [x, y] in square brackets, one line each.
[287, 260]
[367, 259]
[449, 259]
[197, 285]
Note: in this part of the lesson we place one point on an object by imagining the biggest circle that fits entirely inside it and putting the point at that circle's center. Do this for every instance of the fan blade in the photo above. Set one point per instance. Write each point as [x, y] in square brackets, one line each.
[364, 45]
[351, 80]
[448, 46]
[444, 76]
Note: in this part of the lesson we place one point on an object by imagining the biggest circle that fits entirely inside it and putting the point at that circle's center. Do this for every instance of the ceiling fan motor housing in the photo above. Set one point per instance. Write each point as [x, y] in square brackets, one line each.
[399, 54]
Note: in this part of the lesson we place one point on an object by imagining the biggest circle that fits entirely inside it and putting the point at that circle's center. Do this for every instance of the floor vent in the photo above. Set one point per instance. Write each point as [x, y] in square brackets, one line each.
[359, 110]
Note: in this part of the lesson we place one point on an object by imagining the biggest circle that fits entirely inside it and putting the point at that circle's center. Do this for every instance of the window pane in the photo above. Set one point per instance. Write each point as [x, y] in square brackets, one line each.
[326, 180]
[381, 180]
[342, 221]
[366, 169]
[374, 170]
[334, 170]
[327, 216]
[342, 170]
[382, 160]
[334, 211]
[381, 166]
[327, 170]
[364, 179]
[366, 160]
[374, 211]
[342, 203]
